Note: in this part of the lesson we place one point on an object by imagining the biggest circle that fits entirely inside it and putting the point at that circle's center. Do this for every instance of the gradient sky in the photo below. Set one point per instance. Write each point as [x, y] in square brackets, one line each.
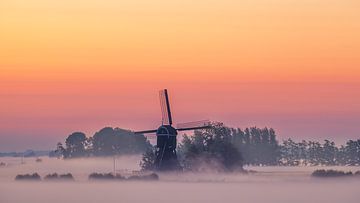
[76, 65]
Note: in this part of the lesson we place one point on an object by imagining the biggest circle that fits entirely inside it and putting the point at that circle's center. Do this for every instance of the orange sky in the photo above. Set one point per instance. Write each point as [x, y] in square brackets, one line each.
[80, 65]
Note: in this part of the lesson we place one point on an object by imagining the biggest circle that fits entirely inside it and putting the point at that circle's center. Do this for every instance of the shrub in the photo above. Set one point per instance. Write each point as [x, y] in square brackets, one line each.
[33, 176]
[148, 160]
[150, 177]
[110, 176]
[67, 176]
[105, 176]
[51, 176]
[55, 176]
[330, 173]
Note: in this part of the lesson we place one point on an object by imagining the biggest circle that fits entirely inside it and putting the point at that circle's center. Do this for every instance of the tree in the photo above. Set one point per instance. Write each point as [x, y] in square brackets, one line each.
[75, 145]
[289, 153]
[148, 160]
[60, 151]
[109, 141]
[211, 148]
[103, 142]
[352, 151]
[258, 146]
[329, 150]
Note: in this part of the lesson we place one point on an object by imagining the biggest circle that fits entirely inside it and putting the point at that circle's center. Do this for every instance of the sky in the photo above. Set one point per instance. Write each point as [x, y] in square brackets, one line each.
[76, 65]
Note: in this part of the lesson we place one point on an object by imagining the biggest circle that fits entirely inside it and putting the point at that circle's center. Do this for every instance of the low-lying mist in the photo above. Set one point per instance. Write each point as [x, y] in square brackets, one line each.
[268, 184]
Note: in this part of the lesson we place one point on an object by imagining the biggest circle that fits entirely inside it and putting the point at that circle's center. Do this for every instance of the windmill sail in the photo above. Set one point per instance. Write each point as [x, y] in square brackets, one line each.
[203, 124]
[145, 131]
[165, 107]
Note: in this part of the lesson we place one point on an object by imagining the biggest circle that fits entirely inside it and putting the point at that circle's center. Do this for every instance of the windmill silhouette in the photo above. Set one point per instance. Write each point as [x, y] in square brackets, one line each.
[166, 158]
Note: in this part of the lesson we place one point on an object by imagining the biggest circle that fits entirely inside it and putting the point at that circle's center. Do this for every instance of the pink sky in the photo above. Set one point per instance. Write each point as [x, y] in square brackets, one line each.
[297, 110]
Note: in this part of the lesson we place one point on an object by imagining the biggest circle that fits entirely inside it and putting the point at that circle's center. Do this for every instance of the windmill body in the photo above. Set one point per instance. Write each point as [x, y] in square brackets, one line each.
[166, 134]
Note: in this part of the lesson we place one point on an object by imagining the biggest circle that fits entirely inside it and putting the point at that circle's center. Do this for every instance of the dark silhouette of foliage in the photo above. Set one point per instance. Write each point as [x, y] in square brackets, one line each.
[55, 176]
[33, 176]
[258, 146]
[211, 149]
[59, 151]
[67, 176]
[107, 142]
[75, 145]
[105, 176]
[148, 160]
[218, 146]
[330, 173]
[255, 146]
[149, 177]
[315, 153]
[51, 176]
[110, 176]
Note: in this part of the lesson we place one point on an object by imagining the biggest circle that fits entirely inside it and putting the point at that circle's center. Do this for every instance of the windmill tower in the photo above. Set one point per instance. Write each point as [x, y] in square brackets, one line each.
[166, 158]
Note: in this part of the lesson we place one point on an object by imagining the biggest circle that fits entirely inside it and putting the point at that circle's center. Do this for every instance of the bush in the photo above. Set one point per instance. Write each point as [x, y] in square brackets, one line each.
[51, 176]
[148, 161]
[105, 176]
[33, 176]
[152, 176]
[330, 173]
[55, 176]
[67, 176]
[110, 176]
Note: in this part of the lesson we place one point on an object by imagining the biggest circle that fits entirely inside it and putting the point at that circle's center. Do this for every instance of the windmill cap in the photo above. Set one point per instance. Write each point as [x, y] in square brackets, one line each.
[166, 130]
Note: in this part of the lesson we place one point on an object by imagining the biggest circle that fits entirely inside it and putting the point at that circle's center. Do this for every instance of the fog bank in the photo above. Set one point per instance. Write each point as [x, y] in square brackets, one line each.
[269, 184]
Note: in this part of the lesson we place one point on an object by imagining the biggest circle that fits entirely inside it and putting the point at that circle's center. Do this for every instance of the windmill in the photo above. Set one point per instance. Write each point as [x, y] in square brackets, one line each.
[166, 158]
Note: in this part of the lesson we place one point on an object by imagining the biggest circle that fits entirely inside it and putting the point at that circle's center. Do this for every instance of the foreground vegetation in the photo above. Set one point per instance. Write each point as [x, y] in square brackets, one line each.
[333, 173]
[55, 176]
[92, 176]
[110, 176]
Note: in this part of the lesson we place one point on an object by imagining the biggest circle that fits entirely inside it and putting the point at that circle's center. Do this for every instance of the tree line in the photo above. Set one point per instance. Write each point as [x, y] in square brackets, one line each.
[106, 142]
[315, 153]
[219, 145]
[260, 146]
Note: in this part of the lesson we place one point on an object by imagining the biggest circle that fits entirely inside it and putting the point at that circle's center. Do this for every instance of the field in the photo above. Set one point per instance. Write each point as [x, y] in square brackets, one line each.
[269, 184]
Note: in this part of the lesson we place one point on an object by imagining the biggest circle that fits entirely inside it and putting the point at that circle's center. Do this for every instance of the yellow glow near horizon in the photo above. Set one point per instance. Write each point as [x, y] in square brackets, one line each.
[276, 37]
